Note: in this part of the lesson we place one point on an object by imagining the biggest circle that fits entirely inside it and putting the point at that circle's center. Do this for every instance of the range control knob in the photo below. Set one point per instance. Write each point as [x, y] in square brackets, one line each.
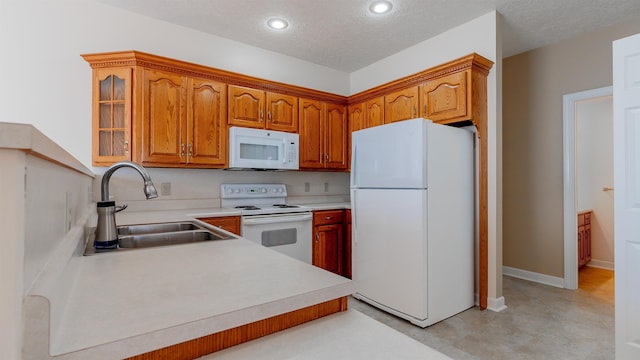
[263, 190]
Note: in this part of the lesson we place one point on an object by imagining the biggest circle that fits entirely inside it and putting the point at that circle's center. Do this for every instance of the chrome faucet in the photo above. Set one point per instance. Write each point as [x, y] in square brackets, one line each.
[106, 232]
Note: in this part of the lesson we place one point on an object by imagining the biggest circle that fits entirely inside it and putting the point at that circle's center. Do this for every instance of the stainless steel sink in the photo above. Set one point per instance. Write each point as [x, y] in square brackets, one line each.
[132, 237]
[168, 238]
[156, 228]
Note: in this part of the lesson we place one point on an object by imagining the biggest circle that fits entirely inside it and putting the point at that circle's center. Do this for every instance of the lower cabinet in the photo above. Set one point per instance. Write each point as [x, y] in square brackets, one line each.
[329, 250]
[228, 223]
[584, 237]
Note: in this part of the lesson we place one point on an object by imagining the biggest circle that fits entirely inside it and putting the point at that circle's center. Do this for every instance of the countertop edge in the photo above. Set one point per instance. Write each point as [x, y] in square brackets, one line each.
[161, 338]
[26, 137]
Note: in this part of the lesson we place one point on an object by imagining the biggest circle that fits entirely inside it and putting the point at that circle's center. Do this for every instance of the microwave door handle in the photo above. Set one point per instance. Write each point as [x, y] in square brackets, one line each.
[284, 149]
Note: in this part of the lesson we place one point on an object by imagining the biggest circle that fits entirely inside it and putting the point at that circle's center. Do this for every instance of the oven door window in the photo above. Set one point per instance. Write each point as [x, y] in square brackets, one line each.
[279, 237]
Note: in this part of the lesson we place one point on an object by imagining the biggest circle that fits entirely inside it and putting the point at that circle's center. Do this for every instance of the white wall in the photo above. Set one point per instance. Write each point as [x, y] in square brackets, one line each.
[594, 170]
[481, 36]
[46, 83]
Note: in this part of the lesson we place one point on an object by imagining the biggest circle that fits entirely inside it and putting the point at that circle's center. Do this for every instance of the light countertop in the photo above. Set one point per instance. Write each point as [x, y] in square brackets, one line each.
[347, 335]
[127, 303]
[154, 216]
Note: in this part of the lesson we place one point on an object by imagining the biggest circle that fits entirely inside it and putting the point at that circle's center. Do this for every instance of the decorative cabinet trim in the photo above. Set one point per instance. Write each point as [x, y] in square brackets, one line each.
[150, 61]
[473, 61]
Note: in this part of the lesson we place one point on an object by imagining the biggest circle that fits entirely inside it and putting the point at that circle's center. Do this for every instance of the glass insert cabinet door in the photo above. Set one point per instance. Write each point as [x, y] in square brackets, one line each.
[111, 115]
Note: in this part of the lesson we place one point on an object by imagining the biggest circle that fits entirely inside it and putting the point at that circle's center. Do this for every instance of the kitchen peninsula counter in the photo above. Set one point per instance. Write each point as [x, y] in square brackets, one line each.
[121, 304]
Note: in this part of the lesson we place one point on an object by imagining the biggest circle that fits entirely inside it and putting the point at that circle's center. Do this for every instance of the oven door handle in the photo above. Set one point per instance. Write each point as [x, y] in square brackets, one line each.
[276, 219]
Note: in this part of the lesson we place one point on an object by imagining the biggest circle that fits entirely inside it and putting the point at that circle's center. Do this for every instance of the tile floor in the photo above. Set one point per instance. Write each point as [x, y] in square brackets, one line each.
[540, 322]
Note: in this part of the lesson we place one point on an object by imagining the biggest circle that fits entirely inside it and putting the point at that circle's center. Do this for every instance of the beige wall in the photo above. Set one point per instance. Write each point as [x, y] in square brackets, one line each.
[533, 85]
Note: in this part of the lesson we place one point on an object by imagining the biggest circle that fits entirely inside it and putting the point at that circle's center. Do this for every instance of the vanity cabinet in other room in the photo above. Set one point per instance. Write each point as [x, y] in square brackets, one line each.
[584, 237]
[255, 108]
[323, 135]
[228, 223]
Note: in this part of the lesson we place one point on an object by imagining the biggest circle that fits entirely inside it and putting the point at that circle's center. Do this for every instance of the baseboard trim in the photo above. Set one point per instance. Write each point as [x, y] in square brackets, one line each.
[496, 304]
[493, 304]
[533, 276]
[607, 265]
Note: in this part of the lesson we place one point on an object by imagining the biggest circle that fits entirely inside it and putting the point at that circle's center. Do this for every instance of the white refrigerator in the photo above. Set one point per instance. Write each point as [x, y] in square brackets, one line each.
[413, 219]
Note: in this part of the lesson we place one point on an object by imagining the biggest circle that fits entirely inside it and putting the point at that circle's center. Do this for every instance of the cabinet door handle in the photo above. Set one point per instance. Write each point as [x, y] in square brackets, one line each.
[415, 111]
[269, 115]
[425, 110]
[317, 237]
[328, 217]
[181, 150]
[191, 150]
[261, 115]
[126, 147]
[326, 157]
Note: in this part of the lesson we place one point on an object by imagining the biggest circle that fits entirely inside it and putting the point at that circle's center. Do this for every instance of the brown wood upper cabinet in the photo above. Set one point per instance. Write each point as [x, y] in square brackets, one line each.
[262, 110]
[401, 105]
[374, 112]
[445, 99]
[356, 117]
[182, 120]
[111, 115]
[323, 135]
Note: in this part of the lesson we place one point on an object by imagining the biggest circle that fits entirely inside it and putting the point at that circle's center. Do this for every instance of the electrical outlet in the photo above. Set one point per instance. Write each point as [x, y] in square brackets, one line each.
[306, 187]
[326, 187]
[165, 189]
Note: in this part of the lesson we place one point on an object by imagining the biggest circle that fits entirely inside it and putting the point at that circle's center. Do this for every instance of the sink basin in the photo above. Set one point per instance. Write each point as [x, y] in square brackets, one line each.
[132, 237]
[156, 228]
[169, 238]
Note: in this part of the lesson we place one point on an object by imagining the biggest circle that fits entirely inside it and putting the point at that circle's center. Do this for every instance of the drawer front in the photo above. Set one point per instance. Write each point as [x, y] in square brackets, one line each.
[327, 217]
[229, 223]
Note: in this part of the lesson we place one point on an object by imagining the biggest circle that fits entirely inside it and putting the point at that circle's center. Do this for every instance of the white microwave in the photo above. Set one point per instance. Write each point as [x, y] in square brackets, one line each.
[262, 149]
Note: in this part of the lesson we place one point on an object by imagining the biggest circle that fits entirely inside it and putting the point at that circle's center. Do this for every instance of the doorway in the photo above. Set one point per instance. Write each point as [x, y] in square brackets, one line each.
[586, 185]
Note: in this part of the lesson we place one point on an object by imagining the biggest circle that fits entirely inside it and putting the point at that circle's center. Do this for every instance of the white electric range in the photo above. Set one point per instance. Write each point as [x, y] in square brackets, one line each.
[268, 220]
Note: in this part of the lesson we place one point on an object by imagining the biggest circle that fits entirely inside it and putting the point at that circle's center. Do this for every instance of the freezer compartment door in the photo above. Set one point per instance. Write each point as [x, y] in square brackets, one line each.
[390, 156]
[390, 248]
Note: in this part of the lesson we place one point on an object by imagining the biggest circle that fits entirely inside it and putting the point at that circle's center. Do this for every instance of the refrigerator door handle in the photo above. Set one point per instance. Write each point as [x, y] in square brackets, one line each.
[354, 222]
[353, 165]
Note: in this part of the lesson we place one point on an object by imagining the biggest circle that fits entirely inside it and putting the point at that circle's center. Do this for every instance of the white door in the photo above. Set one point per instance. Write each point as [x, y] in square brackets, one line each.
[626, 172]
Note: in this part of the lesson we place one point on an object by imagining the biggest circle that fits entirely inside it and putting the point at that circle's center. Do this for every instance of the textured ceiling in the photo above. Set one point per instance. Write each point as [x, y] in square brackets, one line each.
[343, 35]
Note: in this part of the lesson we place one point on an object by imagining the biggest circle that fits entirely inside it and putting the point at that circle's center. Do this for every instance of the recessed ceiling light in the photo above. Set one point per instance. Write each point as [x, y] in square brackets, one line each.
[380, 7]
[277, 24]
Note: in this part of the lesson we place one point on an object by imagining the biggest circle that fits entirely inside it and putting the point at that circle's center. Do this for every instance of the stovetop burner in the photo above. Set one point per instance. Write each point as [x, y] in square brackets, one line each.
[258, 199]
[285, 206]
[247, 207]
